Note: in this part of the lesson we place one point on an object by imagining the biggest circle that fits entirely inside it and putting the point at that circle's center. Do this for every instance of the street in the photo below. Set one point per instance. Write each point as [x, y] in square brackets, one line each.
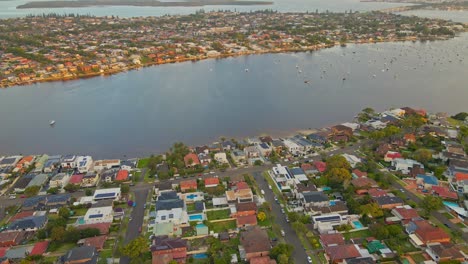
[299, 254]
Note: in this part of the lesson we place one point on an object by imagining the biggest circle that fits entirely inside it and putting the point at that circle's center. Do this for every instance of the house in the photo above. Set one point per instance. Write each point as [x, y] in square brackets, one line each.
[57, 200]
[107, 194]
[9, 161]
[21, 215]
[299, 174]
[246, 214]
[228, 145]
[60, 180]
[309, 199]
[427, 181]
[341, 133]
[308, 168]
[165, 249]
[52, 163]
[99, 215]
[405, 213]
[251, 152]
[391, 155]
[388, 202]
[239, 195]
[428, 233]
[97, 242]
[191, 160]
[317, 137]
[23, 183]
[170, 212]
[363, 184]
[122, 175]
[39, 248]
[359, 174]
[320, 165]
[80, 255]
[254, 242]
[444, 192]
[40, 162]
[202, 149]
[69, 162]
[339, 253]
[409, 138]
[102, 227]
[259, 260]
[84, 164]
[332, 239]
[76, 179]
[265, 149]
[238, 156]
[445, 252]
[24, 163]
[221, 157]
[352, 160]
[293, 147]
[188, 185]
[128, 165]
[109, 175]
[38, 180]
[404, 165]
[100, 165]
[30, 223]
[459, 182]
[8, 239]
[283, 177]
[211, 182]
[205, 159]
[277, 145]
[33, 203]
[375, 192]
[90, 179]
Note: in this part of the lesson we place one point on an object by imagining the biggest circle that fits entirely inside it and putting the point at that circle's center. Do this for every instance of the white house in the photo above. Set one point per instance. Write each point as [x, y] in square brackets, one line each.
[293, 147]
[100, 165]
[352, 160]
[283, 177]
[377, 124]
[404, 165]
[251, 152]
[353, 126]
[103, 214]
[221, 158]
[84, 163]
[69, 161]
[59, 180]
[109, 193]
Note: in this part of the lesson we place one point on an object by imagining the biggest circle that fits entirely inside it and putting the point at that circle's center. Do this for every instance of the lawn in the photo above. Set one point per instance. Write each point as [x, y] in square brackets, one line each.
[190, 207]
[418, 258]
[222, 226]
[106, 254]
[80, 211]
[360, 233]
[400, 245]
[147, 176]
[61, 248]
[448, 215]
[142, 163]
[218, 214]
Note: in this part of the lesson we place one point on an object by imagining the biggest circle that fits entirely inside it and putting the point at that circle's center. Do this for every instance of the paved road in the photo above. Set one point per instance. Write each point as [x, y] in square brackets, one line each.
[291, 238]
[436, 215]
[137, 215]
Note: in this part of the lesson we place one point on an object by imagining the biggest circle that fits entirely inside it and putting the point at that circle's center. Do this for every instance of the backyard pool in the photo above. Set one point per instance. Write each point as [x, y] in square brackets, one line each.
[357, 225]
[191, 196]
[326, 188]
[450, 204]
[200, 256]
[332, 203]
[196, 217]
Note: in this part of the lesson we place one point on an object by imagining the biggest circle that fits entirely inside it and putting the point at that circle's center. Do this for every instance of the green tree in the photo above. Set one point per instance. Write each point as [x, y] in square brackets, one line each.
[57, 233]
[338, 162]
[281, 249]
[64, 212]
[88, 192]
[431, 203]
[32, 190]
[379, 231]
[261, 216]
[125, 188]
[422, 155]
[54, 190]
[135, 249]
[71, 187]
[338, 176]
[258, 163]
[372, 209]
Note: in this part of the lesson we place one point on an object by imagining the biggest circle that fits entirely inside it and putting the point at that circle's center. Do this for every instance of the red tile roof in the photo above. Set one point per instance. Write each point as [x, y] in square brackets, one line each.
[338, 253]
[246, 220]
[393, 155]
[364, 183]
[76, 179]
[122, 175]
[242, 186]
[211, 181]
[307, 167]
[320, 165]
[444, 192]
[332, 239]
[407, 213]
[39, 248]
[429, 233]
[193, 157]
[3, 251]
[21, 215]
[188, 185]
[359, 173]
[375, 192]
[461, 176]
[262, 260]
[97, 242]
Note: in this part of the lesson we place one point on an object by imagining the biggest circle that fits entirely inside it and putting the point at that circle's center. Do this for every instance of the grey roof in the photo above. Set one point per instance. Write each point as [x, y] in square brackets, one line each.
[81, 253]
[18, 252]
[168, 196]
[130, 163]
[315, 197]
[29, 222]
[8, 161]
[383, 200]
[38, 180]
[23, 182]
[366, 260]
[34, 201]
[297, 171]
[58, 198]
[58, 176]
[169, 204]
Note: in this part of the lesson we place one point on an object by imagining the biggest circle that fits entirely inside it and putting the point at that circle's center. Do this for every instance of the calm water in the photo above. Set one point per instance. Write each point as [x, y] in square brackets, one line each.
[8, 8]
[142, 112]
[458, 16]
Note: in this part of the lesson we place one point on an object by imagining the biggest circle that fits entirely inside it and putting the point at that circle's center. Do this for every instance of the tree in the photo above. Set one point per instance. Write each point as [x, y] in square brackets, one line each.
[460, 116]
[32, 190]
[135, 248]
[379, 231]
[57, 233]
[372, 209]
[261, 216]
[422, 155]
[64, 212]
[431, 203]
[88, 192]
[258, 163]
[54, 190]
[338, 162]
[283, 259]
[281, 249]
[71, 187]
[338, 176]
[124, 188]
[293, 216]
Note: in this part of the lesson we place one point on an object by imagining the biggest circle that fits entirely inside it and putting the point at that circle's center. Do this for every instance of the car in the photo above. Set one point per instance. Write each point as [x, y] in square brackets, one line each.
[277, 201]
[12, 196]
[269, 187]
[274, 239]
[287, 219]
[144, 206]
[309, 259]
[276, 198]
[282, 210]
[283, 233]
[130, 219]
[445, 224]
[23, 196]
[132, 184]
[263, 192]
[139, 229]
[212, 172]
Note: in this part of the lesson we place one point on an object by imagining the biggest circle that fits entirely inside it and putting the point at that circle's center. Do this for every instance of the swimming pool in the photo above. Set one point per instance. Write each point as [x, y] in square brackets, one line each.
[357, 225]
[191, 196]
[200, 256]
[196, 217]
[332, 203]
[450, 204]
[325, 188]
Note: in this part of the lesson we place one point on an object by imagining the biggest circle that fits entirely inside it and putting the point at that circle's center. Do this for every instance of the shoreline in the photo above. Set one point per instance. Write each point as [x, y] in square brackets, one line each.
[205, 57]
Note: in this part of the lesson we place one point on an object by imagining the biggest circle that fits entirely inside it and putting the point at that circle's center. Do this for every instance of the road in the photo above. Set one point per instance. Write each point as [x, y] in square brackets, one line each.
[137, 214]
[440, 217]
[291, 238]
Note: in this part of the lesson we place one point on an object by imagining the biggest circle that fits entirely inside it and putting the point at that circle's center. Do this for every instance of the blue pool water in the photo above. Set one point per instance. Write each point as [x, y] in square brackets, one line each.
[332, 203]
[191, 196]
[357, 224]
[452, 204]
[326, 188]
[200, 256]
[195, 217]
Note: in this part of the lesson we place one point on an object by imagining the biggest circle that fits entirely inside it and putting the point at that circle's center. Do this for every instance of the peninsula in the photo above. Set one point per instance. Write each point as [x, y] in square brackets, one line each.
[53, 47]
[87, 3]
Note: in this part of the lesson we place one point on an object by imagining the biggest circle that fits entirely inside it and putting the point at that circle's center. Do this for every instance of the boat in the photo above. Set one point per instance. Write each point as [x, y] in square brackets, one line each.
[52, 122]
[246, 70]
[306, 81]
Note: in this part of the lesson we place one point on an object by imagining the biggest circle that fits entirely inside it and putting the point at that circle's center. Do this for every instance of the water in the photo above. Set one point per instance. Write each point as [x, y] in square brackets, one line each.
[197, 217]
[143, 112]
[458, 16]
[8, 8]
[357, 224]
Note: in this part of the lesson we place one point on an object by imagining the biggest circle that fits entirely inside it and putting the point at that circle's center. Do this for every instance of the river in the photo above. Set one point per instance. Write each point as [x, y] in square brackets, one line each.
[8, 8]
[141, 112]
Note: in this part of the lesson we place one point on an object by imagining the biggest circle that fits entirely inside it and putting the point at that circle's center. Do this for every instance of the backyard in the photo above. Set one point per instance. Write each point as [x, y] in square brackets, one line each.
[222, 226]
[218, 214]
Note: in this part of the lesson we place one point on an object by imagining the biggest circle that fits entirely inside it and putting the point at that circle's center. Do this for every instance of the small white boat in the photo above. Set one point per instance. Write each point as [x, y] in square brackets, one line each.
[246, 70]
[52, 122]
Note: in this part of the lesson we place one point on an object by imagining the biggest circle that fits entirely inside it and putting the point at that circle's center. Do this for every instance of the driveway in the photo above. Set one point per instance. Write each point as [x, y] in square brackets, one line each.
[299, 254]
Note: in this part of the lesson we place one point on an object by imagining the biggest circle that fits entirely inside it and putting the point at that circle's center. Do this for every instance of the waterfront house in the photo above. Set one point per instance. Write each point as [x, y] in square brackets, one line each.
[60, 180]
[100, 165]
[24, 163]
[84, 164]
[69, 162]
[9, 161]
[89, 179]
[40, 162]
[191, 160]
[52, 163]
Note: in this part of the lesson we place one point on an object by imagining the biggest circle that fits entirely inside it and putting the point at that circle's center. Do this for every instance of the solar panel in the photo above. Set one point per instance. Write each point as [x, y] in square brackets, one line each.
[104, 195]
[96, 216]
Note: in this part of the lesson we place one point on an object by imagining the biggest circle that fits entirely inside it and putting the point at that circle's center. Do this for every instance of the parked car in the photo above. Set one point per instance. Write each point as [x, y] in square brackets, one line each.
[309, 259]
[282, 210]
[269, 187]
[263, 192]
[139, 229]
[283, 233]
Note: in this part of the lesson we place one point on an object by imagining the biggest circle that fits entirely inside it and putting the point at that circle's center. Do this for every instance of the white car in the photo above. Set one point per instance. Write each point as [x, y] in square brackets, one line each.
[283, 233]
[269, 186]
[309, 259]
